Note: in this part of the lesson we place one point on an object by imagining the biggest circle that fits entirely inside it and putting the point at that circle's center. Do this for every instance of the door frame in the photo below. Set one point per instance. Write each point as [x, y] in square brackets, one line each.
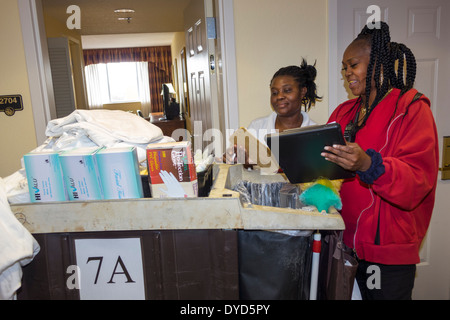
[332, 54]
[229, 72]
[39, 74]
[38, 65]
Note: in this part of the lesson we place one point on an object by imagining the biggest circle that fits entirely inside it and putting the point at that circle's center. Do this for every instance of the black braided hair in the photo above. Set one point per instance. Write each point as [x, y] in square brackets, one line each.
[383, 56]
[304, 75]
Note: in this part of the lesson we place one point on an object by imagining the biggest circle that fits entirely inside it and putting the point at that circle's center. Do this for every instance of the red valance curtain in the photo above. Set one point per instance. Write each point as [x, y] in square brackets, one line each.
[159, 65]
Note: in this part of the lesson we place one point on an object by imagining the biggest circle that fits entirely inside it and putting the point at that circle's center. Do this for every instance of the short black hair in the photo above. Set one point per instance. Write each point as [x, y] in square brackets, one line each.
[305, 75]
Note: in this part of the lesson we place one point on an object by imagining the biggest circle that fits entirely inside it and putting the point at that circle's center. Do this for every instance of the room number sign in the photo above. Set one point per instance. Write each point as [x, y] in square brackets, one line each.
[110, 269]
[10, 104]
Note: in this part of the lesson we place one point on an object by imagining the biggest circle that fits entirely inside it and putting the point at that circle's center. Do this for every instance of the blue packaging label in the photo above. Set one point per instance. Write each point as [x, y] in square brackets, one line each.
[44, 177]
[119, 173]
[81, 174]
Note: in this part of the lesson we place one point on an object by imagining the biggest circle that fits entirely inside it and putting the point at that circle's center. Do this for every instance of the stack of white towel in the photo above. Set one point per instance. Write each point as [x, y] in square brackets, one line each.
[104, 128]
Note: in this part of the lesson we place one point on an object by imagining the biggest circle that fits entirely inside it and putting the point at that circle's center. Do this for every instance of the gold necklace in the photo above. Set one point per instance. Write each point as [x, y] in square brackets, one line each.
[363, 111]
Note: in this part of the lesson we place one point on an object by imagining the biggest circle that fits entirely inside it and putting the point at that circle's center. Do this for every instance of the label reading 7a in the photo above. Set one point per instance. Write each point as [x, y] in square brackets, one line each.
[114, 272]
[110, 268]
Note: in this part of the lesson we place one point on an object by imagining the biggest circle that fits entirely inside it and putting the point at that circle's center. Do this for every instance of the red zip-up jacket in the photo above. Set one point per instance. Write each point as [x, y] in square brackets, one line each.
[400, 202]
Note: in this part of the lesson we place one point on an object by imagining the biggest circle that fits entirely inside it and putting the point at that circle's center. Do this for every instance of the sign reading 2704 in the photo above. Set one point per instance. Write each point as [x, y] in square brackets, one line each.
[10, 104]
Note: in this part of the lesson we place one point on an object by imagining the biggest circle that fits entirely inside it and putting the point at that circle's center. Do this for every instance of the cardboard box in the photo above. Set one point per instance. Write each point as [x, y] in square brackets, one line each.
[174, 159]
[80, 172]
[119, 173]
[45, 177]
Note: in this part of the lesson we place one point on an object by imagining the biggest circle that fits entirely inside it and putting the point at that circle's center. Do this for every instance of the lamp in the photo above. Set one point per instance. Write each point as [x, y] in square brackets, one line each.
[171, 89]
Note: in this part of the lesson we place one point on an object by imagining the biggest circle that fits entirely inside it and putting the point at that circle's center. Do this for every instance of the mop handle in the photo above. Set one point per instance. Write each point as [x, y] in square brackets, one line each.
[315, 265]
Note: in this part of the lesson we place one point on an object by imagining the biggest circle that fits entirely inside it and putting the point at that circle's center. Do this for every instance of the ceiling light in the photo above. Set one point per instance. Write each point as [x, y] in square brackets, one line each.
[128, 19]
[124, 11]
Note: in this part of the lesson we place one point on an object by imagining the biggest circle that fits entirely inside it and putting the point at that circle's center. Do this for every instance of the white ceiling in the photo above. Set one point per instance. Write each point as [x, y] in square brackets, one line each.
[153, 23]
[127, 40]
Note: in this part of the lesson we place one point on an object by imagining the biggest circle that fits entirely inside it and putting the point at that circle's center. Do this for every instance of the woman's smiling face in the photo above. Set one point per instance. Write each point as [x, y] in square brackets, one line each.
[354, 64]
[286, 96]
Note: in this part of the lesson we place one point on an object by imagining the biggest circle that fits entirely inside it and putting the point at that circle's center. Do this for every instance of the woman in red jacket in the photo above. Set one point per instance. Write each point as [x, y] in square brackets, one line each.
[392, 145]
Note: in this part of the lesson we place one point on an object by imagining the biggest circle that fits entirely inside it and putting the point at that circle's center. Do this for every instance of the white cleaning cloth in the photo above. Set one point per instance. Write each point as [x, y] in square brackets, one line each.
[18, 248]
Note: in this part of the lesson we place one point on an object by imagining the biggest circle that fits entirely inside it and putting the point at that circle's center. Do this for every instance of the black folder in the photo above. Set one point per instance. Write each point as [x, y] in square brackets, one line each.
[298, 152]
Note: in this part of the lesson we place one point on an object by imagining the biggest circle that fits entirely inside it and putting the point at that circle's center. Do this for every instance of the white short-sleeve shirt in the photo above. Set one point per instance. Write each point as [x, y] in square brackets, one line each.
[265, 125]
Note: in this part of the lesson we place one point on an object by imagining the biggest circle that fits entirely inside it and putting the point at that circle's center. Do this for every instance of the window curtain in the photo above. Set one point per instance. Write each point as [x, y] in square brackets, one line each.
[144, 87]
[159, 60]
[94, 80]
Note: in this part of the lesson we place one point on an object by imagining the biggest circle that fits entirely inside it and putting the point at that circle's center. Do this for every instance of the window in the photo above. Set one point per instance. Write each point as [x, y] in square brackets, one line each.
[118, 83]
[122, 82]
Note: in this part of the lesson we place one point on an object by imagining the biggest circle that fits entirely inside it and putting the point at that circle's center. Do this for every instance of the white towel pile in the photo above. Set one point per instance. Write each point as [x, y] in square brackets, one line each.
[104, 128]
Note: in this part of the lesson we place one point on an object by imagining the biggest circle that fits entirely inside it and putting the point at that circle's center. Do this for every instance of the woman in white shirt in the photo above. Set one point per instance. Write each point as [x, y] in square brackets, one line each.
[291, 88]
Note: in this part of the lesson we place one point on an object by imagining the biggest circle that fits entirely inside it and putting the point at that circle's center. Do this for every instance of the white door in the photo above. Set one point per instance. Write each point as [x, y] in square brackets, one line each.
[202, 95]
[424, 27]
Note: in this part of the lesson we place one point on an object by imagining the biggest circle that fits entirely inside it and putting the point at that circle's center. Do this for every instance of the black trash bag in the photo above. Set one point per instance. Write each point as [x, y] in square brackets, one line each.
[243, 187]
[266, 194]
[274, 265]
[205, 181]
[263, 194]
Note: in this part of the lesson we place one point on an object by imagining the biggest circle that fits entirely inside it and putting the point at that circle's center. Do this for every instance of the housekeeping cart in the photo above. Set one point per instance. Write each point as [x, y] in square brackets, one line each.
[178, 248]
